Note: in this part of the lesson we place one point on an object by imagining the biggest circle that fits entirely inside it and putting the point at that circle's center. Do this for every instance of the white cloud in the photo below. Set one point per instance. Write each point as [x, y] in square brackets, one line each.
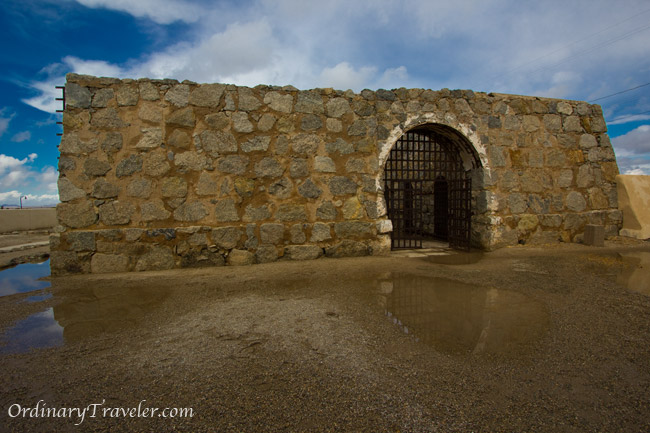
[13, 198]
[99, 68]
[247, 53]
[159, 11]
[51, 120]
[561, 85]
[48, 179]
[8, 163]
[393, 78]
[21, 136]
[45, 100]
[344, 76]
[636, 171]
[629, 118]
[633, 164]
[18, 177]
[54, 74]
[642, 169]
[239, 49]
[4, 120]
[637, 141]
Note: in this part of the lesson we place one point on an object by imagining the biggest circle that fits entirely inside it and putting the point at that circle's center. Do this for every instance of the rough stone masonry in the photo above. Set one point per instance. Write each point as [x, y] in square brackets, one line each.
[157, 174]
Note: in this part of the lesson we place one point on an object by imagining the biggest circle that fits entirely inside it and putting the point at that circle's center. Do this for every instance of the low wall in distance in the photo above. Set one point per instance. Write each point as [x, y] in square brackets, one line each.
[12, 220]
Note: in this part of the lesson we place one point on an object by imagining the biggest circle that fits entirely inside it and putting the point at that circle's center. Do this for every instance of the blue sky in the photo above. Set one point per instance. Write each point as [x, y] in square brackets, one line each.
[574, 49]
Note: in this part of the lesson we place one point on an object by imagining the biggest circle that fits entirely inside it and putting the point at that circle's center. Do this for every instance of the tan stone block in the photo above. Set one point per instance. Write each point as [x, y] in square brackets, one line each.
[108, 263]
[609, 170]
[151, 138]
[528, 223]
[303, 252]
[240, 258]
[531, 123]
[352, 209]
[156, 259]
[597, 200]
[572, 124]
[156, 164]
[575, 157]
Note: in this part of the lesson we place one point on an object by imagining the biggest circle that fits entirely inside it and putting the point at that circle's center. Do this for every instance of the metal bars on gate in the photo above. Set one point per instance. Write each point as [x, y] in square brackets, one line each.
[403, 179]
[460, 213]
[425, 164]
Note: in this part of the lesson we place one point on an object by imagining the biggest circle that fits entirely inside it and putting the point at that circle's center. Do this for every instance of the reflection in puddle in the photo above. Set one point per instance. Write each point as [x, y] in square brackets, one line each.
[457, 318]
[104, 308]
[24, 278]
[81, 313]
[38, 298]
[39, 330]
[636, 275]
[456, 258]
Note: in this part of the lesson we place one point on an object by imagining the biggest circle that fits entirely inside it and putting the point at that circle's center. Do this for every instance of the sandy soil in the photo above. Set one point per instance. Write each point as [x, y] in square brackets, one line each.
[521, 339]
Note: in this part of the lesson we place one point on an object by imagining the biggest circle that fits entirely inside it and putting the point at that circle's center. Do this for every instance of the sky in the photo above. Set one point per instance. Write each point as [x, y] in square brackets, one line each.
[590, 50]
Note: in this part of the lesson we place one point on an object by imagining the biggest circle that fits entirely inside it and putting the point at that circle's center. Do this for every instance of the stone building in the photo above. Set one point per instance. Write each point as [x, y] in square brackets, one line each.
[157, 174]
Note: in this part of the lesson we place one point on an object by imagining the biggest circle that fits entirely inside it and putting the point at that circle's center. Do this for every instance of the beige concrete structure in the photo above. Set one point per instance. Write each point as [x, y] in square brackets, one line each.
[634, 202]
[158, 174]
[12, 220]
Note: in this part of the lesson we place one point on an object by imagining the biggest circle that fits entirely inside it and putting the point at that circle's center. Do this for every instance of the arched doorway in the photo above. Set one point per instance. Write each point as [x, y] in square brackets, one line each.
[428, 188]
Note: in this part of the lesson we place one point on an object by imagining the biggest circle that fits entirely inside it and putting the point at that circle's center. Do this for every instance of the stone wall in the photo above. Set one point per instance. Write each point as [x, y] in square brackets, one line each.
[157, 174]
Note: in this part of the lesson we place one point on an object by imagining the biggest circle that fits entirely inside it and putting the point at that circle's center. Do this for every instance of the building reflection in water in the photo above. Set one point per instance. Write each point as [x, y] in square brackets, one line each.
[636, 274]
[102, 308]
[36, 331]
[458, 318]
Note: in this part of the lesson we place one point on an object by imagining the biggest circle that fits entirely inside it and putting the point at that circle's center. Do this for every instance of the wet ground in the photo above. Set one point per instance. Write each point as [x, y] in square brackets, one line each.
[521, 339]
[23, 247]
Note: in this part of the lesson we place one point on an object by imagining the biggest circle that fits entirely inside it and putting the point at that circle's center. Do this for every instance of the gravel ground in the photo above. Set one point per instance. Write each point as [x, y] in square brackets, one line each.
[523, 339]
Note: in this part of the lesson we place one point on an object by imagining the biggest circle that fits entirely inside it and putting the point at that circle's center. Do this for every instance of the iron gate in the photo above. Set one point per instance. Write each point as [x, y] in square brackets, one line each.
[460, 213]
[427, 191]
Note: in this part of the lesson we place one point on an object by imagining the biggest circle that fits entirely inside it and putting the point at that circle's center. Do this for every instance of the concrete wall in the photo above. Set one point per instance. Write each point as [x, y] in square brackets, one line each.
[634, 202]
[156, 174]
[27, 219]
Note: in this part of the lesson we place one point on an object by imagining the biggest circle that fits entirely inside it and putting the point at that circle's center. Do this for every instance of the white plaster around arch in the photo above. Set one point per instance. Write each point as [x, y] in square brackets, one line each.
[448, 119]
[413, 121]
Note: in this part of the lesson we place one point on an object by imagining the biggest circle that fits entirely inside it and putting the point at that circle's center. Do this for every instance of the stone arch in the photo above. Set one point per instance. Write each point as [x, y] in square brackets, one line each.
[445, 157]
[462, 131]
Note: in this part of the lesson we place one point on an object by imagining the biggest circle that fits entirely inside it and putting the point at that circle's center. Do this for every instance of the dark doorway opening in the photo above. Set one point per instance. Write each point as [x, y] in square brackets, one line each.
[440, 208]
[428, 188]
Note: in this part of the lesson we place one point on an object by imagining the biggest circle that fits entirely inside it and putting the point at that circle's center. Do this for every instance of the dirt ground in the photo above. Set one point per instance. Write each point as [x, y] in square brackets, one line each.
[534, 339]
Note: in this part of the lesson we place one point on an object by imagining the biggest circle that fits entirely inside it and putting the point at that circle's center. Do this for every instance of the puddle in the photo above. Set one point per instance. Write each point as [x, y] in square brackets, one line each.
[453, 317]
[457, 318]
[81, 313]
[636, 274]
[24, 278]
[38, 331]
[455, 258]
[104, 308]
[39, 298]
